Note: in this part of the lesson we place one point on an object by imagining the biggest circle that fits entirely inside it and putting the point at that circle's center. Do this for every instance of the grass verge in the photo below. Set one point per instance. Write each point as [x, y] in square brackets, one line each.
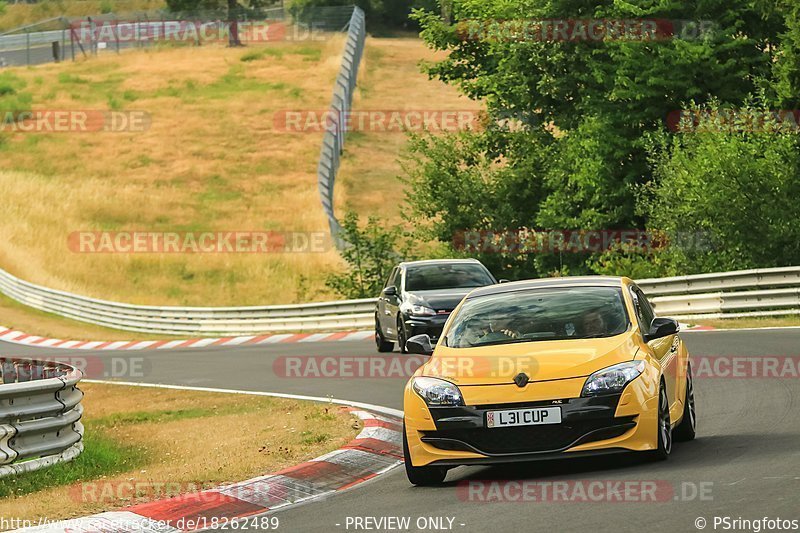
[144, 444]
[756, 322]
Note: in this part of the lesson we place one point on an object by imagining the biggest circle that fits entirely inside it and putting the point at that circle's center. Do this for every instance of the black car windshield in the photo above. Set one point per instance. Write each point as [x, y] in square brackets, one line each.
[539, 315]
[446, 276]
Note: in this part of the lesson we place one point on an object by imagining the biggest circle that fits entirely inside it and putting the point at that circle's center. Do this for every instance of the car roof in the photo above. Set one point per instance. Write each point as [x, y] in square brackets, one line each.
[439, 262]
[569, 281]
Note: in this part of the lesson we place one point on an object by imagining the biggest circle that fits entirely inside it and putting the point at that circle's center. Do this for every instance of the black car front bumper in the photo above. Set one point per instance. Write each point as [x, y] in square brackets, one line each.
[428, 325]
[582, 420]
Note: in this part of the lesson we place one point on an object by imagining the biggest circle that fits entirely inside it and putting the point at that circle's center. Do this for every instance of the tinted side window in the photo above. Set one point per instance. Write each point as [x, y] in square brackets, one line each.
[644, 311]
[392, 278]
[647, 307]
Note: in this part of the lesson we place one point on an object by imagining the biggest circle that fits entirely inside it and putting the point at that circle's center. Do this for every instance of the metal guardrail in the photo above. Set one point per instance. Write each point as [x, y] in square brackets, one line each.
[205, 321]
[40, 415]
[333, 142]
[762, 292]
[743, 293]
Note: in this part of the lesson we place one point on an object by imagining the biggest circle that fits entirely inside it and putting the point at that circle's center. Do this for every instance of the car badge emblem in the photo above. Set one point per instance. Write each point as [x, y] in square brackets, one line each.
[521, 379]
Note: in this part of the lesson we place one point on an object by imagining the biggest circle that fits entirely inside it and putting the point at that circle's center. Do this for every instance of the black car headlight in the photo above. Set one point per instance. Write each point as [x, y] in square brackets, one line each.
[418, 310]
[437, 392]
[612, 379]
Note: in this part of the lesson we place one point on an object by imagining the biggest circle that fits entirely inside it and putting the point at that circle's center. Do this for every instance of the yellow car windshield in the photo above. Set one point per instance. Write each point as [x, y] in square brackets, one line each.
[530, 315]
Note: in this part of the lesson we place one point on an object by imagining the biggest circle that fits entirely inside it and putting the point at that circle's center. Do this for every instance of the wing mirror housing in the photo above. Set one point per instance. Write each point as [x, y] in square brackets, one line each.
[391, 290]
[662, 327]
[419, 344]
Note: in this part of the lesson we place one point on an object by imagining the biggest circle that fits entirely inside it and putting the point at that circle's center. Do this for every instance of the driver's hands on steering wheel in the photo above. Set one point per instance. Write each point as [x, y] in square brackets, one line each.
[510, 333]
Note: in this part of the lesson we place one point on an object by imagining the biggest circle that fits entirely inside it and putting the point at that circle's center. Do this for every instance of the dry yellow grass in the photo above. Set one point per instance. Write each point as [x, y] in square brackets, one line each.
[739, 323]
[262, 435]
[390, 80]
[211, 161]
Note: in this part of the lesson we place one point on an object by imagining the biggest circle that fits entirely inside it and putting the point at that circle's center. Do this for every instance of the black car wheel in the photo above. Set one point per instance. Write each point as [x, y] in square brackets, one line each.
[664, 427]
[421, 475]
[402, 337]
[688, 425]
[382, 344]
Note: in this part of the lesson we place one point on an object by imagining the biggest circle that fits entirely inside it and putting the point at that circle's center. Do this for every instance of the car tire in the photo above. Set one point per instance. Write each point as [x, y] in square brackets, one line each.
[380, 342]
[421, 476]
[686, 429]
[664, 429]
[402, 336]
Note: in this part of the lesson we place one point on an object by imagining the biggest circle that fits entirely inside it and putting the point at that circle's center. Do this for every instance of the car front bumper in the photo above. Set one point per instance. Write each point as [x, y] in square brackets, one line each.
[428, 325]
[451, 436]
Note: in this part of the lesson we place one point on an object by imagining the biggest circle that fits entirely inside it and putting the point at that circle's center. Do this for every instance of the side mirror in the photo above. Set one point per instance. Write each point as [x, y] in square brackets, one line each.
[419, 344]
[391, 290]
[502, 281]
[662, 327]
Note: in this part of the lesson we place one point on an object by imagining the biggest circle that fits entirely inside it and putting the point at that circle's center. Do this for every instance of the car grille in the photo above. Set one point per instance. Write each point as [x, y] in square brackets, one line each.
[528, 439]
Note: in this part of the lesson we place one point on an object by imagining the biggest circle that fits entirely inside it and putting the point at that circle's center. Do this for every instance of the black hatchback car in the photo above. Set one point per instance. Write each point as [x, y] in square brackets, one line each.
[420, 295]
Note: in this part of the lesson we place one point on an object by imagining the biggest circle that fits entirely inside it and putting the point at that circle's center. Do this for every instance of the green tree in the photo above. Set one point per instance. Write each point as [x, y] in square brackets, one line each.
[586, 105]
[738, 190]
[787, 63]
[370, 252]
[385, 14]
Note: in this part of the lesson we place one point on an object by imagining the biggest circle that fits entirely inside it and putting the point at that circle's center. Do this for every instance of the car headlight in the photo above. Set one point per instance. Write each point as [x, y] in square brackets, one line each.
[419, 310]
[437, 391]
[612, 379]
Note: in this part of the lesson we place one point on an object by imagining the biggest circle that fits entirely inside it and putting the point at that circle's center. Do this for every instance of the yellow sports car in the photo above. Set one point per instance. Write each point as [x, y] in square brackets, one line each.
[544, 369]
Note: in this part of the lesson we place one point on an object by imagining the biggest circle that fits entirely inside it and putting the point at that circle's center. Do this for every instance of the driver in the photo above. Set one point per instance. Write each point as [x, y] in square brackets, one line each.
[494, 330]
[594, 325]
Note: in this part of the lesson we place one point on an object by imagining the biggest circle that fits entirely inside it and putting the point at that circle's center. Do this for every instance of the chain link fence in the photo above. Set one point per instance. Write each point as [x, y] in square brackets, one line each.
[333, 141]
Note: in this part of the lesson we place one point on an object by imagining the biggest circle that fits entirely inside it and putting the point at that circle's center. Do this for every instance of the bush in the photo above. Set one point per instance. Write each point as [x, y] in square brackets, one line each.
[737, 188]
[370, 253]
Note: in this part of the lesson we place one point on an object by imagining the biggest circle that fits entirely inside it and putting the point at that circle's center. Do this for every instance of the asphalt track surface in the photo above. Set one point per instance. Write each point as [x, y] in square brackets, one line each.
[746, 457]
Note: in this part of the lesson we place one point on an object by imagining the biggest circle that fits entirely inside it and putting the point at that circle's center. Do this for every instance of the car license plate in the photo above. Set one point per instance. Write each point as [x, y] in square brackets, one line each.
[523, 417]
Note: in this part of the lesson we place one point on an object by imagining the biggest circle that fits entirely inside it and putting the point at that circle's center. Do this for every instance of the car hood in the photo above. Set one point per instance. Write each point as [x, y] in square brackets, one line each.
[540, 360]
[439, 299]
